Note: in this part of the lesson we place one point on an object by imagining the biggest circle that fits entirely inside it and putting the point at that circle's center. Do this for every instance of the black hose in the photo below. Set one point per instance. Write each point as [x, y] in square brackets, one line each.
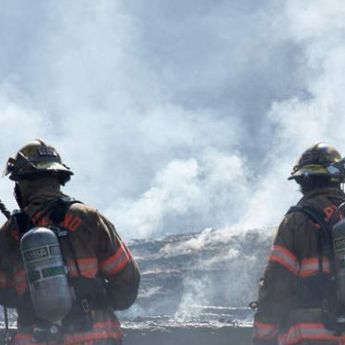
[4, 210]
[7, 214]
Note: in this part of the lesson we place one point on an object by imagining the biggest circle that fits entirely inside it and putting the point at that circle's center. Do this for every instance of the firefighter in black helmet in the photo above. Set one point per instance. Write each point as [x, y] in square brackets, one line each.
[318, 163]
[34, 161]
[100, 269]
[298, 281]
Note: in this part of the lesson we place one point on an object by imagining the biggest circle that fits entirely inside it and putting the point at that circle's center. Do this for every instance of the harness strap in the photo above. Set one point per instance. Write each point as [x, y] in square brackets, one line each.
[324, 237]
[58, 215]
[85, 301]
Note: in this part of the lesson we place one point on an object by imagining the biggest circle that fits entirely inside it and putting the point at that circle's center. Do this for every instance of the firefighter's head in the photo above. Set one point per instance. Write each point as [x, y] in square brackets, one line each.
[34, 162]
[37, 159]
[321, 165]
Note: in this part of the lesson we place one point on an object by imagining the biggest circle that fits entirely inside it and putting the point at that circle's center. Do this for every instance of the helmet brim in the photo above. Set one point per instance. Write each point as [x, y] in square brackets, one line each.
[42, 168]
[309, 170]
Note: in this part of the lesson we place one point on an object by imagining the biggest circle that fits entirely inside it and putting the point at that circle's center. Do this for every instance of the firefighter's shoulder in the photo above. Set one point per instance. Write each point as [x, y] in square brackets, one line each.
[79, 214]
[293, 221]
[10, 227]
[6, 229]
[292, 218]
[79, 207]
[87, 214]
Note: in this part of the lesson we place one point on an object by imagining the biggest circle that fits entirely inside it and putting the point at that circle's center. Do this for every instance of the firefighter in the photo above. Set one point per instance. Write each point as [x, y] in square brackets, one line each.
[297, 295]
[101, 273]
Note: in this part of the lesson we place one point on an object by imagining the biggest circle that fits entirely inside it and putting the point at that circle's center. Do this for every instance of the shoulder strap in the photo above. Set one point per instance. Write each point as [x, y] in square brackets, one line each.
[56, 216]
[22, 220]
[312, 212]
[60, 208]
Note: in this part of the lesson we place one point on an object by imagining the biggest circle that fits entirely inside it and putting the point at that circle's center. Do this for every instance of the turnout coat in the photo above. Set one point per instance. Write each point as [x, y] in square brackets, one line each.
[297, 278]
[98, 251]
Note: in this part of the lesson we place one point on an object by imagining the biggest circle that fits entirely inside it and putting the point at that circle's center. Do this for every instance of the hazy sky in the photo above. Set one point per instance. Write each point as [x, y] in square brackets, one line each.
[174, 115]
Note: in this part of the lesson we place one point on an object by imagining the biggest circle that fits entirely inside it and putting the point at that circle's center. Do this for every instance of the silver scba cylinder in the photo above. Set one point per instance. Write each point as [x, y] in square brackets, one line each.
[338, 234]
[46, 274]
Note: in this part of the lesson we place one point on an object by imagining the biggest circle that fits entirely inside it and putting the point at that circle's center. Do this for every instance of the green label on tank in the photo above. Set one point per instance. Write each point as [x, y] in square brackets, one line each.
[53, 271]
[34, 276]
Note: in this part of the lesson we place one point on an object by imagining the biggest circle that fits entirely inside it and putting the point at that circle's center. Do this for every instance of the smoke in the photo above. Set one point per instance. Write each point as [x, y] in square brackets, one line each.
[186, 187]
[182, 272]
[174, 116]
[314, 115]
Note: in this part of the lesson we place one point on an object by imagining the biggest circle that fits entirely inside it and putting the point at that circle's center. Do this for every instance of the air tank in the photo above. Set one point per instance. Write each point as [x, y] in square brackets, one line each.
[338, 234]
[46, 274]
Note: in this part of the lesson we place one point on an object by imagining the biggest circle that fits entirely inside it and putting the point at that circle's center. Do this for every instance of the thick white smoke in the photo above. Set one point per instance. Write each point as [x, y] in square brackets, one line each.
[316, 114]
[174, 116]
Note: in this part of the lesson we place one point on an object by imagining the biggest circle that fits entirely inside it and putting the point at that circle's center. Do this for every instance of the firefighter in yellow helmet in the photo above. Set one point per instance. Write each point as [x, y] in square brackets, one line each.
[298, 295]
[63, 252]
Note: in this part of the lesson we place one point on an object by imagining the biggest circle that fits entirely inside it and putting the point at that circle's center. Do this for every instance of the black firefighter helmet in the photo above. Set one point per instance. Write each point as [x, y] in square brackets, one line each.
[320, 160]
[34, 159]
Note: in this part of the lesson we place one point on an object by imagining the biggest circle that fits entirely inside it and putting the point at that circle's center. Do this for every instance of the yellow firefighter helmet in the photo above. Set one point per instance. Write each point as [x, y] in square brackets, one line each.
[318, 160]
[34, 159]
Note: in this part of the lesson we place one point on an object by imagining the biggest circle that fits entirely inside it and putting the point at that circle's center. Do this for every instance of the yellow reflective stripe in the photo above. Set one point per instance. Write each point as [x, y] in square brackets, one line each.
[25, 339]
[307, 331]
[100, 330]
[116, 262]
[88, 267]
[310, 266]
[285, 258]
[263, 330]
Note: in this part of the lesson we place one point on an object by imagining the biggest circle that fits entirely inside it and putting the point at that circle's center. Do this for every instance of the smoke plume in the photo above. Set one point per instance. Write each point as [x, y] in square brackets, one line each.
[174, 116]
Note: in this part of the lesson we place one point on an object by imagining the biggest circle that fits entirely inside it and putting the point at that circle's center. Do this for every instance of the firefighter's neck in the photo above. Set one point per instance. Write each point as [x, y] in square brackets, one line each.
[32, 189]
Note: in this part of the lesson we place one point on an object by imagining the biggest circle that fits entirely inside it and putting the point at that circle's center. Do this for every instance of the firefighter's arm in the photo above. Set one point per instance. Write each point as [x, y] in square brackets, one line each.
[8, 296]
[277, 286]
[118, 267]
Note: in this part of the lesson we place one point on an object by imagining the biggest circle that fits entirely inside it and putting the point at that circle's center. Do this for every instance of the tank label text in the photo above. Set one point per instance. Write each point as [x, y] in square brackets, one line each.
[339, 243]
